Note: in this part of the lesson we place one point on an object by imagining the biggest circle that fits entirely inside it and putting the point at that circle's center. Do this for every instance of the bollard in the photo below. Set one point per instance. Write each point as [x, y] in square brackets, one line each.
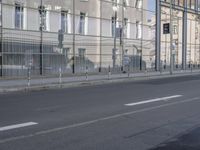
[109, 72]
[161, 69]
[29, 77]
[60, 75]
[146, 72]
[86, 73]
[128, 71]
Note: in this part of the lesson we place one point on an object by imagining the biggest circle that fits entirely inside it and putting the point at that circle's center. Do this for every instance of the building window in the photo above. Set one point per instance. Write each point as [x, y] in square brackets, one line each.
[138, 30]
[19, 16]
[44, 19]
[82, 23]
[64, 21]
[138, 4]
[81, 52]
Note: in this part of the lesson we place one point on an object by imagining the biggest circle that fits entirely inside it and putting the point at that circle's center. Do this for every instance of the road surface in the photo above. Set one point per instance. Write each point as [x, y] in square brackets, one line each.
[158, 114]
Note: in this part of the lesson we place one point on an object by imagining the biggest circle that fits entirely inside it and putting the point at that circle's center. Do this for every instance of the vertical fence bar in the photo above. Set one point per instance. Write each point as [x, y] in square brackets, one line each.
[100, 64]
[1, 46]
[158, 34]
[41, 36]
[122, 34]
[109, 72]
[142, 26]
[86, 73]
[60, 75]
[29, 76]
[128, 70]
[115, 40]
[73, 65]
[184, 39]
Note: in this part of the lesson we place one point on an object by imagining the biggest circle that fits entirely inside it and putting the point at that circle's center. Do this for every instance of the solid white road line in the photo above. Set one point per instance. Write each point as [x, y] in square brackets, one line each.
[17, 126]
[153, 100]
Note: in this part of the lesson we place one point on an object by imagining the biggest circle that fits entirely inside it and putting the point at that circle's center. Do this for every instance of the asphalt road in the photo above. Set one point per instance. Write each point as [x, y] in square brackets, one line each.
[159, 114]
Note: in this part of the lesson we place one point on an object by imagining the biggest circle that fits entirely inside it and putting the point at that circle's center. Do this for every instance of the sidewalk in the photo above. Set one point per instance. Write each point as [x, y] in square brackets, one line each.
[64, 82]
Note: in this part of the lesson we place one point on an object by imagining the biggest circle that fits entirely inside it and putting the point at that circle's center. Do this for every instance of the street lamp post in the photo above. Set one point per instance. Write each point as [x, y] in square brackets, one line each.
[122, 34]
[74, 38]
[115, 38]
[171, 39]
[42, 13]
[1, 44]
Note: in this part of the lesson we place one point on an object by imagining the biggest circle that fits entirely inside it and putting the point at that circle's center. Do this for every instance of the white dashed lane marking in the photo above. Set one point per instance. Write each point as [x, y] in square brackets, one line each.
[153, 100]
[10, 127]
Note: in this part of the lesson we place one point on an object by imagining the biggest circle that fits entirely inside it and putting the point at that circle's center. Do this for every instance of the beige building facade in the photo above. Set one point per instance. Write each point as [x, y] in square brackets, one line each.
[76, 35]
[186, 33]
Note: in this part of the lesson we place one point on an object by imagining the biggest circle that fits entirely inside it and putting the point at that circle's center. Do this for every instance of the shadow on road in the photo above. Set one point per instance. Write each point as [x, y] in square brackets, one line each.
[188, 141]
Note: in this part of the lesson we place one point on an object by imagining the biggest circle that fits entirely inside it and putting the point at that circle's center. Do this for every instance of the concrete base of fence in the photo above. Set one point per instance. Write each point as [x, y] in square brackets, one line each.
[90, 82]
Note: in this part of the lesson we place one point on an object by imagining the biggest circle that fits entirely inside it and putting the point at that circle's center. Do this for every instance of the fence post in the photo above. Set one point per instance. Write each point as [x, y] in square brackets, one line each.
[128, 70]
[146, 72]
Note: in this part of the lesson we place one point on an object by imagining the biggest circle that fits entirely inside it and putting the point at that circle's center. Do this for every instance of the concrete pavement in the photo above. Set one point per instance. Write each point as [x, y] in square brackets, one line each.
[97, 117]
[10, 85]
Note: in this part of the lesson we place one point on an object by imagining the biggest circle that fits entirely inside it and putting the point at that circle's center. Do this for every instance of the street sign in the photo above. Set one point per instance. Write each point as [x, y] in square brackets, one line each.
[166, 28]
